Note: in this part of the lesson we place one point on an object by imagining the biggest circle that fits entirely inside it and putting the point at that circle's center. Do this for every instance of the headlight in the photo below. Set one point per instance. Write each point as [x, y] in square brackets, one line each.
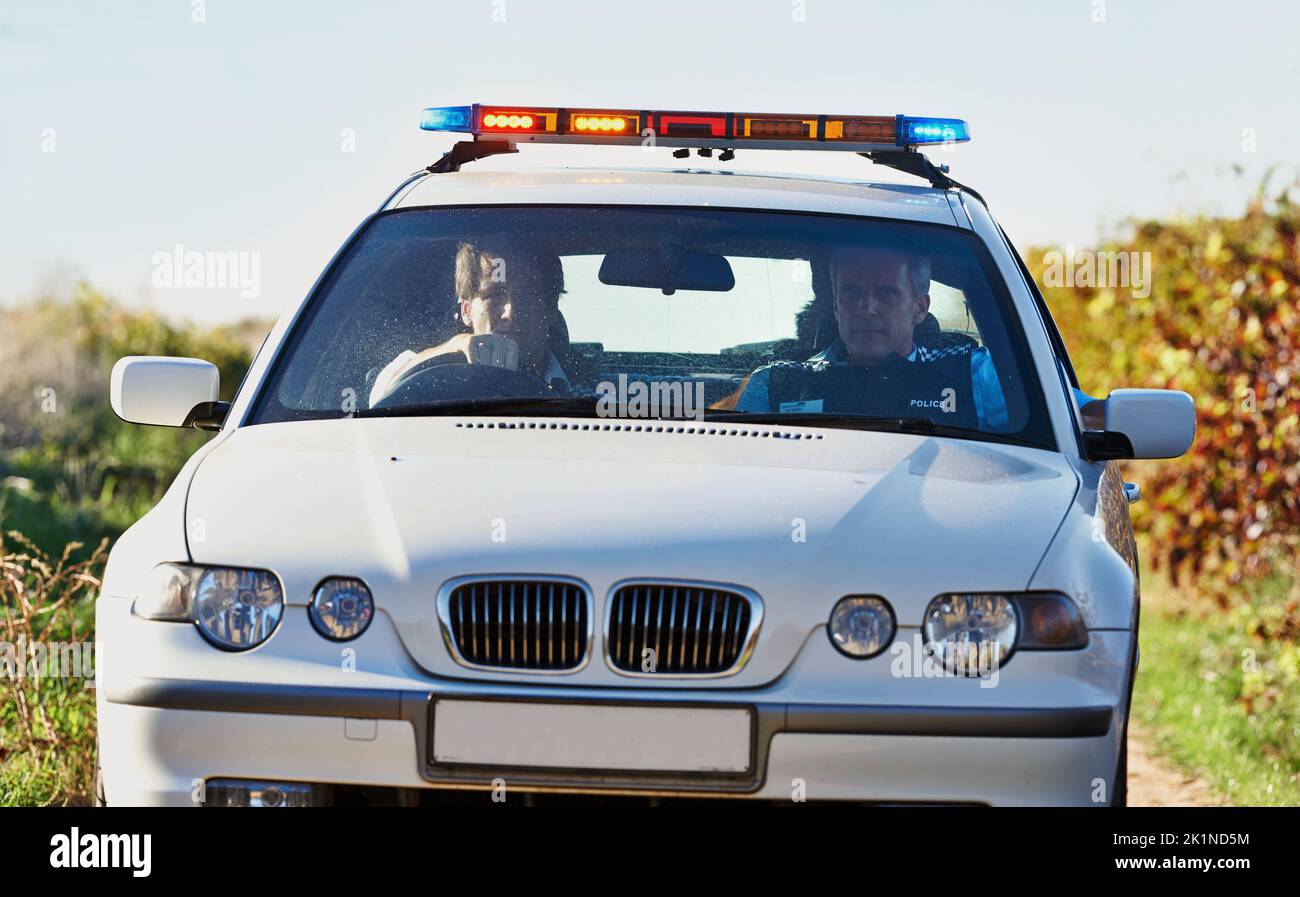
[233, 608]
[341, 609]
[237, 609]
[861, 626]
[971, 634]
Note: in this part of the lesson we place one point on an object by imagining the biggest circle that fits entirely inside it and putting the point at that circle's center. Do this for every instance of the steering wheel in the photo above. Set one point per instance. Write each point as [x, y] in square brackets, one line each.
[436, 379]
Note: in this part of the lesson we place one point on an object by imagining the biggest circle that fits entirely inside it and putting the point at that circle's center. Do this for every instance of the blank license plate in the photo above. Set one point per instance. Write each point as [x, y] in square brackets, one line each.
[592, 736]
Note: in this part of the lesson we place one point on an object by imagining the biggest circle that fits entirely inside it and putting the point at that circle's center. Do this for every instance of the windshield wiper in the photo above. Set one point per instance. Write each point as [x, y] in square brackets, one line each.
[571, 405]
[827, 418]
[923, 425]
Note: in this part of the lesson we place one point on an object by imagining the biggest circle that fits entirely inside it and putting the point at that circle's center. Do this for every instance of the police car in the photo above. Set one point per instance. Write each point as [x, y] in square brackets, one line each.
[656, 484]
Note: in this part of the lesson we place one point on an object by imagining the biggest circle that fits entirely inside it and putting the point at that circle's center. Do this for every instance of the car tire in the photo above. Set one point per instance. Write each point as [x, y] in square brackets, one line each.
[1119, 795]
[97, 792]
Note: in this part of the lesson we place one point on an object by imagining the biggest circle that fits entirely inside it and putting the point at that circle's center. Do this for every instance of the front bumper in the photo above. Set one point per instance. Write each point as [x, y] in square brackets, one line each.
[312, 719]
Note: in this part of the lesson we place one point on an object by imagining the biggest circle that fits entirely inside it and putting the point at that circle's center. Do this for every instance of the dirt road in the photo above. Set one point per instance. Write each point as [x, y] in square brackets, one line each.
[1153, 783]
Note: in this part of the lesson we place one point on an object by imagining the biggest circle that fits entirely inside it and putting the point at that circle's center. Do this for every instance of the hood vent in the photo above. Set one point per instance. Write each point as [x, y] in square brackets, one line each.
[657, 427]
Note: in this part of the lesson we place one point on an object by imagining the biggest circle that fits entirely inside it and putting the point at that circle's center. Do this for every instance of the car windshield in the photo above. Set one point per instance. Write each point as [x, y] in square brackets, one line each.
[660, 312]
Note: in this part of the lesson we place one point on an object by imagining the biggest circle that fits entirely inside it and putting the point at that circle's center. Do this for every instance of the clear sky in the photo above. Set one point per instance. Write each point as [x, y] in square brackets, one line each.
[127, 128]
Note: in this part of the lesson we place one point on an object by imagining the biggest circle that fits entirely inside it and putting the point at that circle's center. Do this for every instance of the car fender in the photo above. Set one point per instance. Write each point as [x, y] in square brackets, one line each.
[1093, 557]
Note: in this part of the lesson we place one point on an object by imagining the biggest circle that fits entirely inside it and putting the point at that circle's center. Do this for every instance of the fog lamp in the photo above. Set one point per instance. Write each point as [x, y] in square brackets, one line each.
[341, 608]
[861, 626]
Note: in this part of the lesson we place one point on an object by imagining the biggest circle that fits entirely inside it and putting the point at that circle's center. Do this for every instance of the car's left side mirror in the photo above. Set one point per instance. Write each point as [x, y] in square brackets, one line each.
[167, 392]
[1144, 423]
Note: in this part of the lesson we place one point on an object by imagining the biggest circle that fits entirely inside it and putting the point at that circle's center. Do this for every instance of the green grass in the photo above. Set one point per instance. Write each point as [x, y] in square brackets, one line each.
[59, 767]
[47, 712]
[1203, 691]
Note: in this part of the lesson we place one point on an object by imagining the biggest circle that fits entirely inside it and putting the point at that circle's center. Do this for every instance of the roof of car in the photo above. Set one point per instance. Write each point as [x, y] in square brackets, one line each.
[678, 187]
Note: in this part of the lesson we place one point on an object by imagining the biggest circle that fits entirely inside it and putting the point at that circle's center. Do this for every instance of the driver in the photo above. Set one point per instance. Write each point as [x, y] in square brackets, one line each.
[508, 299]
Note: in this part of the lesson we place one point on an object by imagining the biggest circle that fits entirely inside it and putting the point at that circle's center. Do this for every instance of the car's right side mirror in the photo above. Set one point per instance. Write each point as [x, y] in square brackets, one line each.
[1144, 423]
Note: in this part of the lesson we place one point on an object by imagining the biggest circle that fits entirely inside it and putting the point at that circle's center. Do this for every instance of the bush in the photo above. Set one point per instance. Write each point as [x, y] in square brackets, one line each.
[69, 469]
[1222, 322]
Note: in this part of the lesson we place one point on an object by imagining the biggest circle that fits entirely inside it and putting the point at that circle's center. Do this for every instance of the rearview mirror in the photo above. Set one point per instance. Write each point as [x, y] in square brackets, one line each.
[668, 269]
[1145, 423]
[162, 391]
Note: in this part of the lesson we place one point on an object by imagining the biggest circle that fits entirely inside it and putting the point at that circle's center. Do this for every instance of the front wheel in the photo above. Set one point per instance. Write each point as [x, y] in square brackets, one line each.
[97, 790]
[1119, 795]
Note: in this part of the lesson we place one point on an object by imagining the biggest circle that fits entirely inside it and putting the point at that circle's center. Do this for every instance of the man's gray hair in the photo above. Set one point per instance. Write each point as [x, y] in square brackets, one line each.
[917, 266]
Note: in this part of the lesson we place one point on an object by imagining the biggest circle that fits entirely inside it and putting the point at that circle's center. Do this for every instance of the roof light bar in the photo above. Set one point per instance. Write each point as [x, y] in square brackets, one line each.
[630, 127]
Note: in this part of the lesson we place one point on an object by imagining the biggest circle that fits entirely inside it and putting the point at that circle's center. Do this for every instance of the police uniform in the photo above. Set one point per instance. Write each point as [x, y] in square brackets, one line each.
[955, 384]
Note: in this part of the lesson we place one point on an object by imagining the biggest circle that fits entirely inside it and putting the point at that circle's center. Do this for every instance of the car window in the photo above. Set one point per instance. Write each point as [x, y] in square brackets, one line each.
[949, 307]
[762, 307]
[1049, 322]
[759, 312]
[1069, 380]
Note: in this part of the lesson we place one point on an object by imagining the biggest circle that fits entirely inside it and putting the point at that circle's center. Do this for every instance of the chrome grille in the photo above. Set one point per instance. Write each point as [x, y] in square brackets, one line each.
[691, 630]
[520, 624]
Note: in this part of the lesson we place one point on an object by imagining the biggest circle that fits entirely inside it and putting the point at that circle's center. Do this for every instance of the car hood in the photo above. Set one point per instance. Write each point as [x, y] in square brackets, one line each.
[800, 515]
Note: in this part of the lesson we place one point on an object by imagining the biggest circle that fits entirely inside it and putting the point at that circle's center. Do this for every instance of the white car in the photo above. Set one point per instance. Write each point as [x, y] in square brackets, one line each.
[651, 483]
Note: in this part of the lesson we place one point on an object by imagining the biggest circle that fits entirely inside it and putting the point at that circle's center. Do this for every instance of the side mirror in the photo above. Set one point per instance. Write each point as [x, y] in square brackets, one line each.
[1144, 423]
[165, 392]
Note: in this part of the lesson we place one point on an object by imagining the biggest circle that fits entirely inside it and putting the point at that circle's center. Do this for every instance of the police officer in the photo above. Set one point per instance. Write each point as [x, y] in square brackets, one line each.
[880, 296]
